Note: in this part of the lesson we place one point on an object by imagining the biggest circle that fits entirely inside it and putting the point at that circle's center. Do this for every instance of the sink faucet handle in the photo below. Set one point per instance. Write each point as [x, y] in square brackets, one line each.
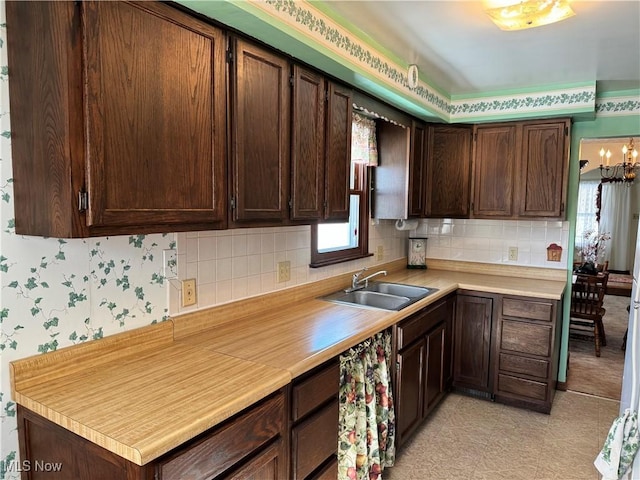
[356, 278]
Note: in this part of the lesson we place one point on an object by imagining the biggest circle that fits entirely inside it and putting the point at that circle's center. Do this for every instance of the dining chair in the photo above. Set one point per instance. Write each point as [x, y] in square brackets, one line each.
[587, 297]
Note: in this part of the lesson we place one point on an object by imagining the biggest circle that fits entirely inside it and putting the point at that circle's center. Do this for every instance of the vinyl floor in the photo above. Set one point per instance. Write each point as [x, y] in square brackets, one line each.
[470, 438]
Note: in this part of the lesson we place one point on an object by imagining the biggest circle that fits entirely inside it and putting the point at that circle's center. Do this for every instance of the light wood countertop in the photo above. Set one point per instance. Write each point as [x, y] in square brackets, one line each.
[307, 332]
[145, 404]
[142, 393]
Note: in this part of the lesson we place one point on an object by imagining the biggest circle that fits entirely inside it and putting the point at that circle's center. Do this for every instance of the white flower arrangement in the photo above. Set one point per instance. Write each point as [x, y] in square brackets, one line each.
[594, 246]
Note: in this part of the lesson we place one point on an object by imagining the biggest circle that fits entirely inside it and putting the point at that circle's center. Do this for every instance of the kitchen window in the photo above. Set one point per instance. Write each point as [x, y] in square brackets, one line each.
[340, 242]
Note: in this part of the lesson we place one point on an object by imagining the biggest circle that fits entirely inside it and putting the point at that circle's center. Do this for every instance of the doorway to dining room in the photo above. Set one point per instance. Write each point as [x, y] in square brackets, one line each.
[600, 376]
[587, 373]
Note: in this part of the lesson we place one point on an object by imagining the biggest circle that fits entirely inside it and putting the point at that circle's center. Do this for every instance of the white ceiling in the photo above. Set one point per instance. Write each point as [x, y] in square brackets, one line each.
[461, 51]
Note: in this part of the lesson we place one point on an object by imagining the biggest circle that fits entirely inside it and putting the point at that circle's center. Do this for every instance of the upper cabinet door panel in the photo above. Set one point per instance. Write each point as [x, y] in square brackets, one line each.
[417, 160]
[448, 171]
[260, 132]
[338, 151]
[155, 113]
[307, 144]
[544, 169]
[495, 163]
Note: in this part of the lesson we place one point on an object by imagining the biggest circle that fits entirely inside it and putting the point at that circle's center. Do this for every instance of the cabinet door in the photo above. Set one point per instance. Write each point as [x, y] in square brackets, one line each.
[434, 376]
[448, 343]
[155, 116]
[417, 174]
[543, 172]
[260, 132]
[472, 342]
[448, 166]
[338, 152]
[410, 383]
[307, 145]
[46, 149]
[495, 163]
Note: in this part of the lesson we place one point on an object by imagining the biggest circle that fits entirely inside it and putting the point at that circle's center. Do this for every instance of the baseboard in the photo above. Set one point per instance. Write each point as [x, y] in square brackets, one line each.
[562, 386]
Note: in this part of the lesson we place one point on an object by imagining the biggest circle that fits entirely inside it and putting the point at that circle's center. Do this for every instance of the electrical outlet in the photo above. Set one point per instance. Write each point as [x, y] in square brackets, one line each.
[169, 263]
[513, 253]
[380, 252]
[284, 271]
[188, 292]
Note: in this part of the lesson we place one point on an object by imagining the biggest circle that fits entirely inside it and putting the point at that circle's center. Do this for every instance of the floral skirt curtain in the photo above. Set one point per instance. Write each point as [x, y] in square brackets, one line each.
[366, 440]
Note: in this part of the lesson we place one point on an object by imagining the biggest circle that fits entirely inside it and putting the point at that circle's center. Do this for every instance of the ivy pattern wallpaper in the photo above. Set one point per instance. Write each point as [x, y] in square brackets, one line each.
[56, 292]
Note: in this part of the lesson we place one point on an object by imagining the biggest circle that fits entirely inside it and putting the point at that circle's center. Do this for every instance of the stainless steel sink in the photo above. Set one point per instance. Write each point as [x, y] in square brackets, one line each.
[384, 295]
[410, 291]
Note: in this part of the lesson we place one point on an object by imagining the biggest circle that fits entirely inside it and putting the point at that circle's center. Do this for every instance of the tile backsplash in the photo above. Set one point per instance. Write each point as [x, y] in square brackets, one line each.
[234, 264]
[489, 241]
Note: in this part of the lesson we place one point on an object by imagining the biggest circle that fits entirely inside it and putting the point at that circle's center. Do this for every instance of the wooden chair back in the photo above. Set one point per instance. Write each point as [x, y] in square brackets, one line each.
[587, 295]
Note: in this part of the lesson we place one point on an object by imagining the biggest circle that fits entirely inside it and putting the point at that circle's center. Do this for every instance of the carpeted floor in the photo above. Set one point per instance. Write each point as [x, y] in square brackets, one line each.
[601, 376]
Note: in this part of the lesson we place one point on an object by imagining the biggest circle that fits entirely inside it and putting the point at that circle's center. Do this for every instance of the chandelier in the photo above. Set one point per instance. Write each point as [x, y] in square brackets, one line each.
[624, 171]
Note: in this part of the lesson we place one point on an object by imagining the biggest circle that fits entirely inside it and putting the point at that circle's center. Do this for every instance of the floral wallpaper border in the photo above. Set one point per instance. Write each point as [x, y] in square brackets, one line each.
[614, 106]
[309, 21]
[312, 23]
[580, 99]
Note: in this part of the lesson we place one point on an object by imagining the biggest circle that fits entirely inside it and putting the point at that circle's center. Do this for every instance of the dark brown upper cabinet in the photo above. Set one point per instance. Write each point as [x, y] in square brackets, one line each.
[494, 170]
[291, 146]
[544, 169]
[307, 144]
[320, 148]
[521, 169]
[417, 169]
[448, 171]
[338, 152]
[439, 170]
[114, 129]
[260, 132]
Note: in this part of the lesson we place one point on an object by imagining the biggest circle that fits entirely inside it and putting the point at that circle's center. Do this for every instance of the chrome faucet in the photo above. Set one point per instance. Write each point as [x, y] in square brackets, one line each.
[358, 283]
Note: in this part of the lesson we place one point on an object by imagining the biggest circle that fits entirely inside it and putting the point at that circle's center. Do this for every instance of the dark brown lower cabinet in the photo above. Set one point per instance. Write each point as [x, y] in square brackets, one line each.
[314, 416]
[409, 386]
[423, 365]
[508, 348]
[472, 342]
[252, 444]
[527, 352]
[434, 378]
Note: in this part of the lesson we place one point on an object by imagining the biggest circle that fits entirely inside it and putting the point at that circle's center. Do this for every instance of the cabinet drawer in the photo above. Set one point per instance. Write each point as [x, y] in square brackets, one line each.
[526, 337]
[419, 324]
[528, 366]
[224, 447]
[522, 387]
[529, 309]
[315, 440]
[313, 391]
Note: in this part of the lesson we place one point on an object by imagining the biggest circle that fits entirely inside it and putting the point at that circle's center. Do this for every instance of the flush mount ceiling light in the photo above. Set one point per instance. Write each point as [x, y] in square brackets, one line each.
[529, 13]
